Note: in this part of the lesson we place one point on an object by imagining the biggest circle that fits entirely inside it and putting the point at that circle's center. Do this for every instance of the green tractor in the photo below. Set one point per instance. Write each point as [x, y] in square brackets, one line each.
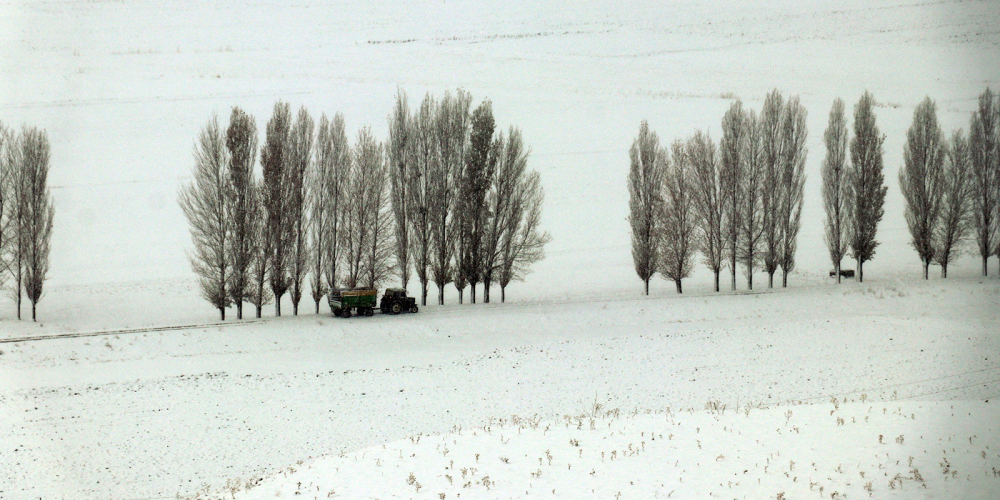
[362, 300]
[395, 301]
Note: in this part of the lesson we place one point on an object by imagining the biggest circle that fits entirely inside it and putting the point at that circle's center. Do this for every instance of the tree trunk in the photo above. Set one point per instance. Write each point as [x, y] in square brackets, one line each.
[944, 270]
[295, 308]
[861, 271]
[646, 281]
[277, 306]
[750, 281]
[716, 281]
[472, 294]
[222, 312]
[258, 312]
[239, 310]
[985, 268]
[317, 307]
[423, 293]
[733, 264]
[33, 313]
[784, 279]
[461, 293]
[927, 266]
[440, 295]
[503, 294]
[770, 279]
[19, 301]
[837, 270]
[678, 283]
[486, 291]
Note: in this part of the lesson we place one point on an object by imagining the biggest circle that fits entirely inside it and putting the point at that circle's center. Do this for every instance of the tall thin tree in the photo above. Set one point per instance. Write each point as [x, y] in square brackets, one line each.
[241, 142]
[867, 182]
[300, 146]
[752, 198]
[679, 218]
[276, 161]
[377, 217]
[6, 178]
[399, 151]
[835, 186]
[16, 200]
[39, 214]
[480, 162]
[337, 157]
[791, 183]
[708, 199]
[645, 183]
[204, 203]
[920, 179]
[771, 122]
[260, 249]
[732, 175]
[420, 190]
[984, 151]
[525, 242]
[450, 135]
[956, 201]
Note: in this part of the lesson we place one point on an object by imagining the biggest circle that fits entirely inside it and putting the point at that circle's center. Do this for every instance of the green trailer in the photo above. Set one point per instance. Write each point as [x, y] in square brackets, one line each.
[362, 300]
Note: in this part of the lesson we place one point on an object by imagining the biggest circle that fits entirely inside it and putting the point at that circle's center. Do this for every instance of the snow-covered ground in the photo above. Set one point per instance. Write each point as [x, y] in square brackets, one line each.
[123, 87]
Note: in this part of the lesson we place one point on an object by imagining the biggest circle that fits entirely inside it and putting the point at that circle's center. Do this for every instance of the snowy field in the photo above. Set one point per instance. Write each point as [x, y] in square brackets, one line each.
[892, 383]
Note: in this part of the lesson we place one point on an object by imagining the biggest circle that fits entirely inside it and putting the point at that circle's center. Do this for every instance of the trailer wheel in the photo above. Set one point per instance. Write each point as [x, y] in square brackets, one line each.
[346, 313]
[369, 312]
[414, 309]
[396, 308]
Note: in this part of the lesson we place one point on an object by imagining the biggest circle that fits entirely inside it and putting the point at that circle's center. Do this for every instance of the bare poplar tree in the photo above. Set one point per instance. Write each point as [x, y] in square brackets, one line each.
[300, 147]
[867, 182]
[771, 123]
[524, 243]
[450, 135]
[984, 151]
[707, 196]
[956, 201]
[275, 160]
[920, 179]
[336, 154]
[791, 184]
[503, 205]
[420, 190]
[6, 195]
[324, 188]
[260, 248]
[17, 201]
[835, 186]
[355, 231]
[480, 163]
[398, 151]
[241, 142]
[752, 198]
[645, 184]
[39, 213]
[732, 173]
[679, 219]
[204, 203]
[376, 217]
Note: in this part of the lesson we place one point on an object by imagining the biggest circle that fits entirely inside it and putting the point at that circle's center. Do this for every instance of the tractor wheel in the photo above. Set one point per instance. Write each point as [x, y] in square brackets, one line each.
[369, 312]
[396, 308]
[414, 309]
[336, 312]
[346, 313]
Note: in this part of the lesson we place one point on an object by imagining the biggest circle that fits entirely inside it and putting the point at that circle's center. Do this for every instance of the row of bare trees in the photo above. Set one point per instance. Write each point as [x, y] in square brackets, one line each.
[853, 192]
[444, 198]
[26, 213]
[740, 202]
[952, 184]
[466, 208]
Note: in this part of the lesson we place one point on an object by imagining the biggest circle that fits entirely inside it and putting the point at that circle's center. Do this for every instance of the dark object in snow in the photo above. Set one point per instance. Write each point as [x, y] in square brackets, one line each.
[395, 301]
[846, 273]
[342, 301]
